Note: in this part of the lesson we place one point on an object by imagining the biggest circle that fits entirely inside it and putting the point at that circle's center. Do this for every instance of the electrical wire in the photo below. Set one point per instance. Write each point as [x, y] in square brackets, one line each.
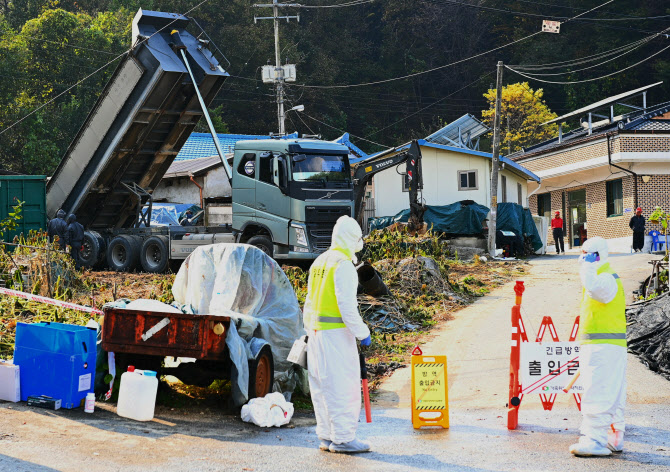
[432, 104]
[96, 71]
[587, 80]
[338, 5]
[343, 131]
[450, 64]
[585, 59]
[74, 46]
[589, 67]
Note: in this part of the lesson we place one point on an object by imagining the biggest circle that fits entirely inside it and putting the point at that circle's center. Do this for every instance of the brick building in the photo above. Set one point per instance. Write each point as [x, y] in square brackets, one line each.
[597, 174]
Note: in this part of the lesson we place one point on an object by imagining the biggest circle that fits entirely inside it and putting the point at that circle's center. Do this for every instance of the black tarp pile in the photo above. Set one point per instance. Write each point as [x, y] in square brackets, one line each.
[648, 333]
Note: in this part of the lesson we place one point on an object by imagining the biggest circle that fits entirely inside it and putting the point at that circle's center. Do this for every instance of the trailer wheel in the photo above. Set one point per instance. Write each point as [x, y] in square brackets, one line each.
[263, 243]
[92, 249]
[154, 255]
[123, 252]
[261, 373]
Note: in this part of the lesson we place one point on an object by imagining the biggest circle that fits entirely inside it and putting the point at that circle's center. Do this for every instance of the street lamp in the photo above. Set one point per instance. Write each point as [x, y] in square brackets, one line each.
[298, 108]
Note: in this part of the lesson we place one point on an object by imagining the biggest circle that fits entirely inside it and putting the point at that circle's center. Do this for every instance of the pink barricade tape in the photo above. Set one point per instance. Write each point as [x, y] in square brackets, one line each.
[50, 301]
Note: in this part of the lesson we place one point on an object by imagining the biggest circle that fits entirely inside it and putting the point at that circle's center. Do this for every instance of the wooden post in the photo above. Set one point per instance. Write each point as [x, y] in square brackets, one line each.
[495, 163]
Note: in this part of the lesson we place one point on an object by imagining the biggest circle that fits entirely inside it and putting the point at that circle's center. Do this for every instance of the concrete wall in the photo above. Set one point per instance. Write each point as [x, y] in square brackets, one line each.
[440, 181]
[219, 214]
[217, 184]
[179, 190]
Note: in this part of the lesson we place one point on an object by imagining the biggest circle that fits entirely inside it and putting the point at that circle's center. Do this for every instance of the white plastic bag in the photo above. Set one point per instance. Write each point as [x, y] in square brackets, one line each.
[271, 410]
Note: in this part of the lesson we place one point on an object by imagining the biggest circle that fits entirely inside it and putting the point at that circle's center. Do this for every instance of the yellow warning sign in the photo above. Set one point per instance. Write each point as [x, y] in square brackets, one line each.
[430, 403]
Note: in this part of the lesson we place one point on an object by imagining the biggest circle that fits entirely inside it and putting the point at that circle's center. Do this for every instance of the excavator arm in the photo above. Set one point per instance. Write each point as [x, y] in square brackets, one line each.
[364, 172]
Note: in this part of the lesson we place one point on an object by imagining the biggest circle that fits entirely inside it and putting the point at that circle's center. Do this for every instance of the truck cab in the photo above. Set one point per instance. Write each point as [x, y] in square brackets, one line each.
[288, 194]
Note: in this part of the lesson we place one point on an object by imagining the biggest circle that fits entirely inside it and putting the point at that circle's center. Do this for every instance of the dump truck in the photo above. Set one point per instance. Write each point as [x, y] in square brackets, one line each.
[287, 193]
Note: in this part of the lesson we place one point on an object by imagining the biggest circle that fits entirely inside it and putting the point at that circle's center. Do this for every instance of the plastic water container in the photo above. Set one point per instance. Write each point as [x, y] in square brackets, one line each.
[137, 395]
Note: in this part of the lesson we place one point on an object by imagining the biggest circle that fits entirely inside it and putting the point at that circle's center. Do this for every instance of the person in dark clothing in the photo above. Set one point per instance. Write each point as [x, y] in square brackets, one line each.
[557, 229]
[187, 220]
[637, 225]
[75, 238]
[57, 227]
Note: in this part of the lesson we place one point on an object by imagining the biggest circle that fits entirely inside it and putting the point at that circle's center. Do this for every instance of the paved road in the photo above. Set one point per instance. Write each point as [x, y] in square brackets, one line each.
[477, 346]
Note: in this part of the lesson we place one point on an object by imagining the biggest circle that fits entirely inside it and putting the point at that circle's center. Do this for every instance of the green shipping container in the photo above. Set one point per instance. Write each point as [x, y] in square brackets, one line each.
[30, 189]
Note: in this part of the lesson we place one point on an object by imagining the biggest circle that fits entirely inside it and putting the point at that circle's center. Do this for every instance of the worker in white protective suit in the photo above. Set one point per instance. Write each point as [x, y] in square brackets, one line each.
[602, 357]
[333, 324]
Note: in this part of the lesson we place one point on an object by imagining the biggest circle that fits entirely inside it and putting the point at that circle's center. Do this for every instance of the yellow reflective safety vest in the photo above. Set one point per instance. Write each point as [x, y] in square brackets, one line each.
[322, 297]
[604, 323]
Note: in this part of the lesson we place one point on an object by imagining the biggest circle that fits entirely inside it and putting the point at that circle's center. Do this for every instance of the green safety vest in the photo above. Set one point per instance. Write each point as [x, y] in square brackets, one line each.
[604, 323]
[322, 291]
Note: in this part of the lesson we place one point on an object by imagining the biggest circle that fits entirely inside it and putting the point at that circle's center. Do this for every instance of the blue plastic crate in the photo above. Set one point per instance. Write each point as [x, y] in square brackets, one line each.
[57, 360]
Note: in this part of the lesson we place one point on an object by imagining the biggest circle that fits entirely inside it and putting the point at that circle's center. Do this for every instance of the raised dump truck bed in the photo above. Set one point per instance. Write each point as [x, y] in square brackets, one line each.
[141, 120]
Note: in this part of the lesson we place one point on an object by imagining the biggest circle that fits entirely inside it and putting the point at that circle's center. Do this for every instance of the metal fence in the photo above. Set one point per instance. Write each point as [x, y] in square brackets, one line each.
[368, 212]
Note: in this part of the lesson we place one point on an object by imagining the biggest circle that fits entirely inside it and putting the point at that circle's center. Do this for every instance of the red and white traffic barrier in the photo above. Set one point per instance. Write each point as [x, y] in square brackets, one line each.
[50, 301]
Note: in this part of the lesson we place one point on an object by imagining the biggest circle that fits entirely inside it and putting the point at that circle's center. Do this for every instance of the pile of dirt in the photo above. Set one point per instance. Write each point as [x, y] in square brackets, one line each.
[648, 333]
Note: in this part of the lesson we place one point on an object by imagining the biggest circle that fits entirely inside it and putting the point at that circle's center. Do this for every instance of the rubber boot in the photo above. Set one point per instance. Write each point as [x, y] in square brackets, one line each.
[352, 447]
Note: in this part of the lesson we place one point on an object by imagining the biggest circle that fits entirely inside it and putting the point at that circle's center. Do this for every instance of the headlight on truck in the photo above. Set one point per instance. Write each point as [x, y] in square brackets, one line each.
[300, 236]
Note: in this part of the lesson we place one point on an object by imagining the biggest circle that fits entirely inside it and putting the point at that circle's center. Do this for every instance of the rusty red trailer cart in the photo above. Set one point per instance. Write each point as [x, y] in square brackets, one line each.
[145, 338]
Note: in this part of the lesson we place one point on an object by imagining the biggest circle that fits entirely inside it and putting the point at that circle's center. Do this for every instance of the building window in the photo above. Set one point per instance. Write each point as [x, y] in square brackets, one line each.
[519, 193]
[503, 189]
[544, 205]
[614, 191]
[467, 180]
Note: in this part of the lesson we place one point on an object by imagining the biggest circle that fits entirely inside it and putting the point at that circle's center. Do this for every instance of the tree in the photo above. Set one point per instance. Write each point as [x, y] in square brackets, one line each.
[522, 113]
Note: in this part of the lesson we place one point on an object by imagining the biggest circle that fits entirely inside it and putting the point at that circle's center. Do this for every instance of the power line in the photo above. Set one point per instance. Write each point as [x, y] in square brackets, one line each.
[432, 104]
[585, 59]
[450, 64]
[74, 46]
[338, 5]
[96, 71]
[588, 80]
[343, 131]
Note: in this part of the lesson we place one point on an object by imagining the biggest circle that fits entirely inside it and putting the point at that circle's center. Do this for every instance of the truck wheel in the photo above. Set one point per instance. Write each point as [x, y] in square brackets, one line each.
[92, 249]
[123, 252]
[154, 255]
[261, 373]
[263, 243]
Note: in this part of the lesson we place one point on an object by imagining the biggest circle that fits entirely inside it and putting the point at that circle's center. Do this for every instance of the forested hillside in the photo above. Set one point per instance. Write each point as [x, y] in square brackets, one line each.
[48, 45]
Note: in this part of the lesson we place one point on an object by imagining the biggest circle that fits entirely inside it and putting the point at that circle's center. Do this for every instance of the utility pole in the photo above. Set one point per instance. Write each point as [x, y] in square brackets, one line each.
[278, 74]
[495, 163]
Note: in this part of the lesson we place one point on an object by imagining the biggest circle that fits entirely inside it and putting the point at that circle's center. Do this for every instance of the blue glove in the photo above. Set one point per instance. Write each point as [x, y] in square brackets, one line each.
[591, 257]
[366, 342]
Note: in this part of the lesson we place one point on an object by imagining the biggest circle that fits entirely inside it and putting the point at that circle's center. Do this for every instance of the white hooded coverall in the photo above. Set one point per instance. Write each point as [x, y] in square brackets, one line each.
[602, 366]
[332, 355]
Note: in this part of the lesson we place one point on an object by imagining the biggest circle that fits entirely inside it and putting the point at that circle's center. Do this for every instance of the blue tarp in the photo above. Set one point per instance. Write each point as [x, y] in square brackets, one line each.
[467, 219]
[169, 214]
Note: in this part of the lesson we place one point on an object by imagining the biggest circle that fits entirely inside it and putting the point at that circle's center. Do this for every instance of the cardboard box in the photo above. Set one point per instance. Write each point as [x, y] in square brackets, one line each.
[57, 360]
[42, 401]
[10, 383]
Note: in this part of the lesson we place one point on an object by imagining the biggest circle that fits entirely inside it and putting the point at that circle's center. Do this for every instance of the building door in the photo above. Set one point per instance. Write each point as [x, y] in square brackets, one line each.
[577, 217]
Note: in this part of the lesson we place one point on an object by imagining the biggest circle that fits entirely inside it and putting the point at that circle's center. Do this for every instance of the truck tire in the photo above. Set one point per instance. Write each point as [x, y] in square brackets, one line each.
[261, 373]
[155, 254]
[263, 243]
[92, 249]
[123, 252]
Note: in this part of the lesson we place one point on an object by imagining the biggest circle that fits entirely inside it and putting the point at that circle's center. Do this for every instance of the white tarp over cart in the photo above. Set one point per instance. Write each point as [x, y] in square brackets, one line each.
[242, 282]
